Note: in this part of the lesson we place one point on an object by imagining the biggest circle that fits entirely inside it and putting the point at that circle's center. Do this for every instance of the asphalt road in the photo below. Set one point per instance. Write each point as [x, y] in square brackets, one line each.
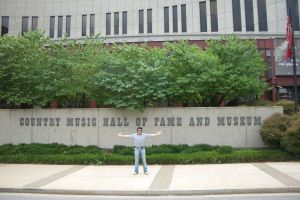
[289, 196]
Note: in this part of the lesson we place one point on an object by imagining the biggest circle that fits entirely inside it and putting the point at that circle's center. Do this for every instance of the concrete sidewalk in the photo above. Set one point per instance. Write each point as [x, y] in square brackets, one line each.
[162, 179]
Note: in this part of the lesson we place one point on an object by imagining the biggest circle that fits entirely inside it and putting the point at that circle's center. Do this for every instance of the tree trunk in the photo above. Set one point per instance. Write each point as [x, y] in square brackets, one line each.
[54, 103]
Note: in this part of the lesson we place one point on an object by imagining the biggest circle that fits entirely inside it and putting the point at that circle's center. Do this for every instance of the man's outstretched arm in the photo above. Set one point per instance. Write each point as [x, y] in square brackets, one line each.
[121, 135]
[155, 134]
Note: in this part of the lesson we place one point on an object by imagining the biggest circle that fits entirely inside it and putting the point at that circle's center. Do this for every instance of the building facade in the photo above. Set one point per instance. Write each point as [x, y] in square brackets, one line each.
[157, 21]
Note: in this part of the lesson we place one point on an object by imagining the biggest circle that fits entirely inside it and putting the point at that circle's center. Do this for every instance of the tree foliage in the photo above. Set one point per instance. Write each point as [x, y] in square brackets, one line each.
[134, 77]
[191, 72]
[24, 70]
[35, 70]
[183, 73]
[74, 65]
[241, 69]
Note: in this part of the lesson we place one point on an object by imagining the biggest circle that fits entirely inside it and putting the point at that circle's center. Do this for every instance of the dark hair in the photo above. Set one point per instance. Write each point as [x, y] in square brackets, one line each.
[139, 128]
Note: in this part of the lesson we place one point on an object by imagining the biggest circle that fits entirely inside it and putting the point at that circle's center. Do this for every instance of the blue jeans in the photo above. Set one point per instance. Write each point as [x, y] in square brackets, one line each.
[137, 153]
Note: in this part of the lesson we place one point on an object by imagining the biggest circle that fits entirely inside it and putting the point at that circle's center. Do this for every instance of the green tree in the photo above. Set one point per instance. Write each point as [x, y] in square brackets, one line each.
[191, 74]
[241, 70]
[181, 73]
[75, 65]
[24, 70]
[133, 77]
[35, 70]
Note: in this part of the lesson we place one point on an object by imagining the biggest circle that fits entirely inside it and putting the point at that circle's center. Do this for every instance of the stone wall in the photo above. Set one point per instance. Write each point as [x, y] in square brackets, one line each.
[234, 126]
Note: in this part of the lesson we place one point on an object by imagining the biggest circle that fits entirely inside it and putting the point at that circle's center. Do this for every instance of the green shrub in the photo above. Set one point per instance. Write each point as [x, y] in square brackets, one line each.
[199, 148]
[210, 157]
[273, 129]
[54, 148]
[288, 106]
[291, 139]
[168, 159]
[80, 149]
[203, 147]
[113, 159]
[263, 155]
[167, 148]
[224, 149]
[154, 149]
[122, 150]
[7, 149]
[78, 159]
[260, 102]
[295, 116]
[32, 149]
[92, 155]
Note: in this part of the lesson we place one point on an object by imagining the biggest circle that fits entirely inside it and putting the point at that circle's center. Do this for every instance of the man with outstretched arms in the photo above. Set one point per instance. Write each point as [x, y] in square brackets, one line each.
[139, 147]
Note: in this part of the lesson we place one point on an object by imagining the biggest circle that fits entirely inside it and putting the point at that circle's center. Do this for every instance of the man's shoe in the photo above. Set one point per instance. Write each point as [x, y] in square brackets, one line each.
[135, 173]
[146, 173]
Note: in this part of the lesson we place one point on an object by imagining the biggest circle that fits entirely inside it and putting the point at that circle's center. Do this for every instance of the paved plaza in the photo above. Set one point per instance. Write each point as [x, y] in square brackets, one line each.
[162, 179]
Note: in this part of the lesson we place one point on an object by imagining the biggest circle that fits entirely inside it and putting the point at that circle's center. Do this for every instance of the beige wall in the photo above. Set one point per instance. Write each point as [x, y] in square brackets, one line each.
[235, 126]
[276, 16]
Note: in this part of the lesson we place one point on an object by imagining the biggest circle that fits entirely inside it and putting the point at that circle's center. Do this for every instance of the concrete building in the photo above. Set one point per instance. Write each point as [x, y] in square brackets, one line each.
[157, 21]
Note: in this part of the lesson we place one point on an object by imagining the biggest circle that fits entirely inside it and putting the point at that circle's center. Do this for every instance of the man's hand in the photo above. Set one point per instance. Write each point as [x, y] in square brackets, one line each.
[120, 134]
[159, 132]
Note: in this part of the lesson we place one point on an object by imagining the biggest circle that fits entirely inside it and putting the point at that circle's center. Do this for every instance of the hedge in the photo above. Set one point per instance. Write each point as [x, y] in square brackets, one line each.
[180, 154]
[273, 129]
[291, 138]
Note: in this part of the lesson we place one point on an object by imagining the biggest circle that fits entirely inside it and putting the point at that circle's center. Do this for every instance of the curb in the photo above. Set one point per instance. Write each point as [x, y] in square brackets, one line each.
[151, 192]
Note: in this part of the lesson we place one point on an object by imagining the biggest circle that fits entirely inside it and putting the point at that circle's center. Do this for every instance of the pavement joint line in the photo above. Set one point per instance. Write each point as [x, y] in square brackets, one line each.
[152, 192]
[278, 175]
[163, 178]
[54, 177]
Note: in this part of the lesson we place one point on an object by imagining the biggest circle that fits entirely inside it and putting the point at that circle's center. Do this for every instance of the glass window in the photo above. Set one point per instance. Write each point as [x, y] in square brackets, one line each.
[68, 25]
[52, 25]
[25, 24]
[285, 93]
[214, 15]
[203, 17]
[92, 24]
[262, 15]
[293, 5]
[141, 21]
[175, 19]
[183, 18]
[60, 28]
[124, 22]
[84, 21]
[268, 61]
[249, 15]
[34, 23]
[149, 21]
[166, 20]
[116, 23]
[236, 12]
[268, 58]
[108, 23]
[4, 26]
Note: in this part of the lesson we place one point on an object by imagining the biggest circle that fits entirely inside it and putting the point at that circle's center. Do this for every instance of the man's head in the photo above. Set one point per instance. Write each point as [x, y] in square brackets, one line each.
[139, 130]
